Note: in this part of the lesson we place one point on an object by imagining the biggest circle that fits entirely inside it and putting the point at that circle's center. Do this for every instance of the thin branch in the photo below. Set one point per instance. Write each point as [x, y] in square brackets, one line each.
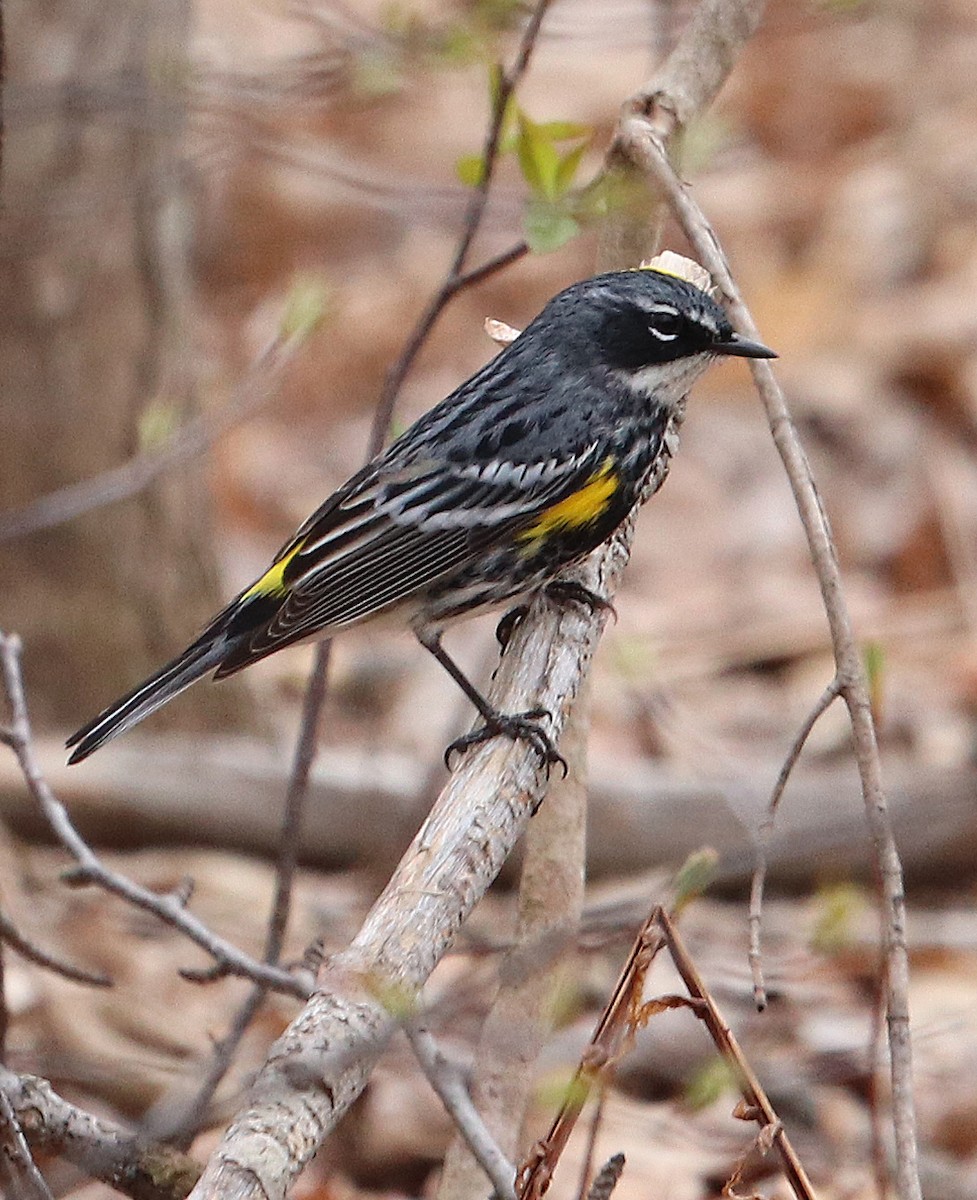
[645, 145]
[508, 83]
[534, 969]
[10, 934]
[184, 1129]
[456, 278]
[447, 1081]
[764, 833]
[90, 870]
[606, 1179]
[181, 1130]
[452, 285]
[27, 1182]
[138, 1168]
[611, 1037]
[759, 1107]
[601, 1185]
[189, 442]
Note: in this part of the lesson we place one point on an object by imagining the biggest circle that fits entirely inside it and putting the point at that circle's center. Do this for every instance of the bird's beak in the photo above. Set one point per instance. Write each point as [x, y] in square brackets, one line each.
[741, 347]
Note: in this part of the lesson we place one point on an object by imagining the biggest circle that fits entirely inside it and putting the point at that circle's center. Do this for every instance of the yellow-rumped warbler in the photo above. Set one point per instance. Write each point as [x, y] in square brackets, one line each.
[521, 471]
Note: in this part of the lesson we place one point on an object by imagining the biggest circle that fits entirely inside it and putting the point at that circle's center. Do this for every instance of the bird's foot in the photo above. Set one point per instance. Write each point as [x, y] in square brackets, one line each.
[564, 592]
[523, 727]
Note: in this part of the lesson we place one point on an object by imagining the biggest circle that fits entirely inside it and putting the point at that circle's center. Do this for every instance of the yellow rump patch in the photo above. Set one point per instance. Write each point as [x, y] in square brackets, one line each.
[580, 508]
[272, 583]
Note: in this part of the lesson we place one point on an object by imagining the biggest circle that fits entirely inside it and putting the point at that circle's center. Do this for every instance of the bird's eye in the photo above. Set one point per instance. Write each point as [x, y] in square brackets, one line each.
[664, 324]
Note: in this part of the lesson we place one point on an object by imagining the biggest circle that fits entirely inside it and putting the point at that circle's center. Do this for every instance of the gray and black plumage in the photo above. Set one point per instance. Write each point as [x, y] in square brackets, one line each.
[522, 470]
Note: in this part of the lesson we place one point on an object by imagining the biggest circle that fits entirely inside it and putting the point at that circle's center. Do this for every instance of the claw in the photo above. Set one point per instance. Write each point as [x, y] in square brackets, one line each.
[569, 591]
[508, 623]
[517, 726]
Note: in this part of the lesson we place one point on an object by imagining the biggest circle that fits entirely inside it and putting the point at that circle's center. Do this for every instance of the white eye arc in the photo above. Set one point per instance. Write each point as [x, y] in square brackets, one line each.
[664, 322]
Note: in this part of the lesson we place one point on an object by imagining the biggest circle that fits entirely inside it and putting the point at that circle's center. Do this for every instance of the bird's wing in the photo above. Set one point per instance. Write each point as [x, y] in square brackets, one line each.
[387, 535]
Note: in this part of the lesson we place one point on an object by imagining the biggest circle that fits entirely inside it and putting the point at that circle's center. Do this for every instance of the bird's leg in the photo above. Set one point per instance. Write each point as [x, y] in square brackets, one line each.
[518, 726]
[564, 592]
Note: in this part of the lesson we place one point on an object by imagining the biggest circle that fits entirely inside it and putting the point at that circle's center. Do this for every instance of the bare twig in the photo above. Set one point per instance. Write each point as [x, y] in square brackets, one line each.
[762, 845]
[447, 1081]
[645, 145]
[623, 1015]
[610, 1038]
[189, 442]
[454, 282]
[456, 278]
[606, 1179]
[10, 934]
[26, 1181]
[599, 1184]
[90, 869]
[759, 1107]
[534, 968]
[185, 1128]
[136, 1167]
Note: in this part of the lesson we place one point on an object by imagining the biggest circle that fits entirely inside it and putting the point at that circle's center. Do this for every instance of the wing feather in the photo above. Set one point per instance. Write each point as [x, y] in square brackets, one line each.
[391, 532]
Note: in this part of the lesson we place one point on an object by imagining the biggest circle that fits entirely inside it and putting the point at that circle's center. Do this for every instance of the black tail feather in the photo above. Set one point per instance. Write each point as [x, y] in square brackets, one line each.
[152, 693]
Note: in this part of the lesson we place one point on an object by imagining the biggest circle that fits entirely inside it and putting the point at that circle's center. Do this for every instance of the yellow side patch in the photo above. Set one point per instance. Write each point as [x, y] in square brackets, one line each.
[580, 508]
[272, 583]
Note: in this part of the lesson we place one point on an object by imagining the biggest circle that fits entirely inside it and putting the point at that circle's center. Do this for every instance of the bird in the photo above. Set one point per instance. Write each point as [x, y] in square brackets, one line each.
[518, 473]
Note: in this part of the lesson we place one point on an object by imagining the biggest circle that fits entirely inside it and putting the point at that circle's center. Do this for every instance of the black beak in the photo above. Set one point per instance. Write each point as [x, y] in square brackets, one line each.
[740, 347]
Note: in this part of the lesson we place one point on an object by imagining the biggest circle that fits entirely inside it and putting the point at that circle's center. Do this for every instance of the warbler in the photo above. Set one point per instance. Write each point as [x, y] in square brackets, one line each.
[519, 472]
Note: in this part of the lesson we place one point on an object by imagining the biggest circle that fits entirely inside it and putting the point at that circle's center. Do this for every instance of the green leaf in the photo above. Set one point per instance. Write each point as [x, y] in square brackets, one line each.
[709, 1083]
[565, 131]
[470, 169]
[306, 306]
[839, 909]
[157, 423]
[566, 169]
[548, 226]
[539, 160]
[695, 875]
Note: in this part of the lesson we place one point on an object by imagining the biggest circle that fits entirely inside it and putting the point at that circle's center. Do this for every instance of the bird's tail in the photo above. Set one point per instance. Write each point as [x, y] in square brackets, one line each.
[152, 693]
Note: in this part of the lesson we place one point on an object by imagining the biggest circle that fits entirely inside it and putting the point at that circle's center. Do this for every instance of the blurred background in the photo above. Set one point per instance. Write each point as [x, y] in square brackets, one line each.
[173, 174]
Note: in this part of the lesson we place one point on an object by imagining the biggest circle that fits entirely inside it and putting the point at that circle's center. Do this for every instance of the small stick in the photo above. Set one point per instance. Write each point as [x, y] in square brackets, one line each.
[759, 1107]
[447, 1081]
[824, 702]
